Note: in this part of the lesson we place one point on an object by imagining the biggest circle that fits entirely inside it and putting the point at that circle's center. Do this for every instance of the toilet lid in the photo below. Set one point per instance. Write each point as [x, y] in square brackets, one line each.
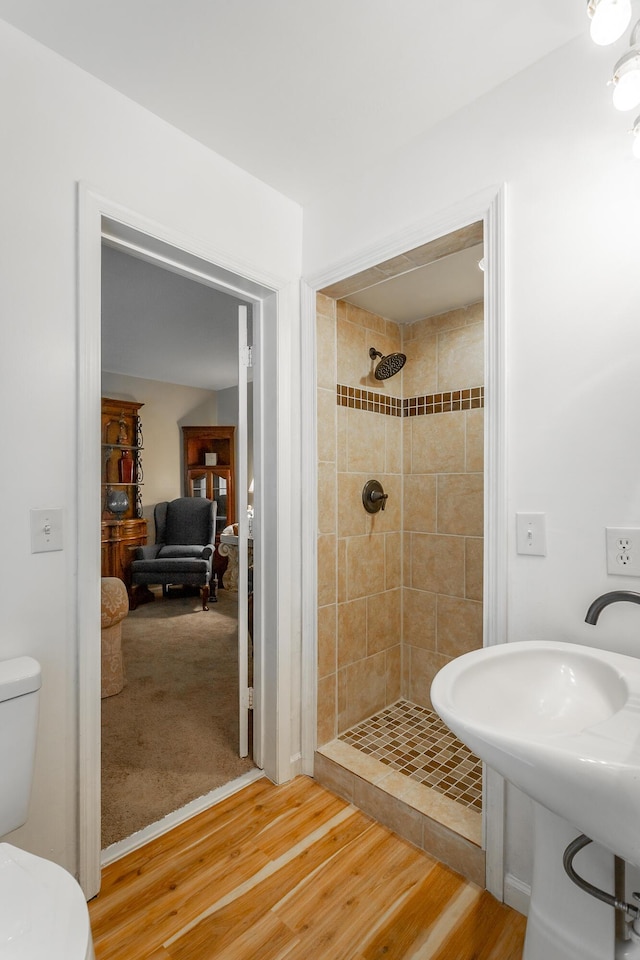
[42, 909]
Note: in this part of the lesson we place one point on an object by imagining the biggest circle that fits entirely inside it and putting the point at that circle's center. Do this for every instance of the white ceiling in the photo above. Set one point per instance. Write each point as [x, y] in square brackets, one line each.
[301, 93]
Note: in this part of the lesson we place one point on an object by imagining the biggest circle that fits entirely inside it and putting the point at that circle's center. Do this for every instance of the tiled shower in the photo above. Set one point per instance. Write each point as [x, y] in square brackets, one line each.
[399, 591]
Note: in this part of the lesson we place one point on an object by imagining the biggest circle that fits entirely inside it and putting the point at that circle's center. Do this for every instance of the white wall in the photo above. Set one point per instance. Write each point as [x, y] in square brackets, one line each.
[573, 308]
[60, 126]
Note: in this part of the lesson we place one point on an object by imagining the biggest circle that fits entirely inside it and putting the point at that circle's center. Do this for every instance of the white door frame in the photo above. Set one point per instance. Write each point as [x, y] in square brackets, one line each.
[276, 465]
[242, 487]
[488, 206]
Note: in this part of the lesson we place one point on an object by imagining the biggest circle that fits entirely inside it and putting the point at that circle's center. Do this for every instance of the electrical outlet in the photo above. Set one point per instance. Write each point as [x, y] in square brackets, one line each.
[623, 551]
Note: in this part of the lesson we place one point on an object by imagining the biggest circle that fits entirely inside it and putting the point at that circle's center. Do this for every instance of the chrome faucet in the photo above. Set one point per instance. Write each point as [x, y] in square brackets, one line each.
[615, 596]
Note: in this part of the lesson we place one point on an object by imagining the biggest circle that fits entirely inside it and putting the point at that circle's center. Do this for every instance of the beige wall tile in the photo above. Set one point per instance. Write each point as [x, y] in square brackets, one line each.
[407, 539]
[461, 358]
[352, 631]
[392, 561]
[332, 776]
[366, 687]
[437, 564]
[342, 570]
[326, 352]
[342, 435]
[343, 719]
[419, 618]
[420, 373]
[460, 854]
[325, 306]
[393, 813]
[475, 441]
[365, 442]
[327, 425]
[393, 674]
[440, 323]
[327, 640]
[438, 443]
[326, 725]
[326, 570]
[393, 444]
[459, 626]
[383, 621]
[407, 439]
[420, 503]
[363, 318]
[327, 514]
[363, 568]
[352, 353]
[474, 312]
[461, 504]
[473, 568]
[423, 666]
[365, 565]
[352, 517]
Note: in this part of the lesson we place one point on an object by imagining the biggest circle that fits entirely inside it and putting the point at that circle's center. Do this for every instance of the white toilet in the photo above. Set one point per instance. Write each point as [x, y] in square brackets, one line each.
[43, 912]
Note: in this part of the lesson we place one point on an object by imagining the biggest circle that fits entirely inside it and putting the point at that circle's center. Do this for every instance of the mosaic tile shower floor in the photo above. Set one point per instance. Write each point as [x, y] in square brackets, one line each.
[415, 741]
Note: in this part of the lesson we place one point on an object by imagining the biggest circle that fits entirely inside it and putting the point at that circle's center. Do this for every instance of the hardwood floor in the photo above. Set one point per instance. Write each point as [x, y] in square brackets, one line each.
[293, 872]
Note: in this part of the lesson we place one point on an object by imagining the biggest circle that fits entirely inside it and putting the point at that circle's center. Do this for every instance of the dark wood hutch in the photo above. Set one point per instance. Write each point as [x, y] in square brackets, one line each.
[123, 527]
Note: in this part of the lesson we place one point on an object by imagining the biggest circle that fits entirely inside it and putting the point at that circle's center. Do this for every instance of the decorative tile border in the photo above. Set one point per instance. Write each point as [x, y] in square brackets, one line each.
[449, 400]
[368, 400]
[470, 399]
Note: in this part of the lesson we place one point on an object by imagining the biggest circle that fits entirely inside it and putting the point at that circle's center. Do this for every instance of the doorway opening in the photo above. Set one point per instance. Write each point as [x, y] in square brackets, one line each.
[397, 605]
[102, 221]
[170, 732]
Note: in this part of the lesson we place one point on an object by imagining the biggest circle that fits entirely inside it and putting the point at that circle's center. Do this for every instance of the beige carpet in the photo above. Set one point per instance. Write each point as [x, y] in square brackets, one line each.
[172, 734]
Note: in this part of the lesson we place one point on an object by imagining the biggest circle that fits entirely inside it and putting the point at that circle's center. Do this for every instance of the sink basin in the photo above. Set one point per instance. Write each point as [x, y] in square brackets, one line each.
[559, 720]
[538, 691]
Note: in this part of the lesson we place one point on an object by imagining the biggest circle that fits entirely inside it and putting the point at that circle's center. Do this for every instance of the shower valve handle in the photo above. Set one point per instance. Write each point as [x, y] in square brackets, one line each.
[373, 496]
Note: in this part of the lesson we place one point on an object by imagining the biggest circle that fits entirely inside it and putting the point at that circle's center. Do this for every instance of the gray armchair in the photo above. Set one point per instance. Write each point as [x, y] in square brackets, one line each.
[183, 551]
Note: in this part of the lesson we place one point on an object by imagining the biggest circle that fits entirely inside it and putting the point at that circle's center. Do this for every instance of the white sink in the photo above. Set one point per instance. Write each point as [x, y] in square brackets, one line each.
[562, 722]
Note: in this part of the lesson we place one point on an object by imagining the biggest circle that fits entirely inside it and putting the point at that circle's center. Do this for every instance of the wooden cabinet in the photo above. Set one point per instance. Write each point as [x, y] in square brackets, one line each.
[119, 540]
[121, 459]
[208, 455]
[123, 527]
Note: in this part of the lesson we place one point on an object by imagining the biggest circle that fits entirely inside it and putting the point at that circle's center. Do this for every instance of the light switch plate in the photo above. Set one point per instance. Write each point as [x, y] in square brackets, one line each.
[46, 530]
[531, 537]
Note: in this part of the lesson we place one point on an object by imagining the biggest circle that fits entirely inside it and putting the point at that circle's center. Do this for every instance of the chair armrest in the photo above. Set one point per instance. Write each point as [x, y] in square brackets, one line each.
[147, 552]
[207, 552]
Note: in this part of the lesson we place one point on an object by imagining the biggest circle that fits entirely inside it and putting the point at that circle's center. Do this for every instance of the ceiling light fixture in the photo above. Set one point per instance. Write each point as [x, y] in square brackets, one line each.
[609, 20]
[626, 76]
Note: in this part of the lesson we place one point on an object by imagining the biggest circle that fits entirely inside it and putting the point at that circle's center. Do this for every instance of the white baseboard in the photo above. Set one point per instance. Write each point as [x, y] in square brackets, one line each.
[517, 894]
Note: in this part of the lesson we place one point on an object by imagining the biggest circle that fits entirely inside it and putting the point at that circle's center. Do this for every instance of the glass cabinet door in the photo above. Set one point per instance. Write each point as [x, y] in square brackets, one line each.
[213, 483]
[199, 485]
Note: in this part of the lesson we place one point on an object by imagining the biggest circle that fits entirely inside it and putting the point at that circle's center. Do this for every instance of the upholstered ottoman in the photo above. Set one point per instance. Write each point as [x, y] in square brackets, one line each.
[115, 607]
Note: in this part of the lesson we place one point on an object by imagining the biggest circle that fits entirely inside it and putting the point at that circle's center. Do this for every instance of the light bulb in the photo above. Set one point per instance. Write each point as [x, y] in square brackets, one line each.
[609, 20]
[626, 79]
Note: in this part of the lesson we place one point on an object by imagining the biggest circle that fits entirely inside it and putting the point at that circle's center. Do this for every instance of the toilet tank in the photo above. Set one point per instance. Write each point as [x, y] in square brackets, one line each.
[19, 696]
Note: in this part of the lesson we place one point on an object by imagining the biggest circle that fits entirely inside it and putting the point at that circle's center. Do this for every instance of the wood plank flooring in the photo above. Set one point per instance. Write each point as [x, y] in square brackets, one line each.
[293, 872]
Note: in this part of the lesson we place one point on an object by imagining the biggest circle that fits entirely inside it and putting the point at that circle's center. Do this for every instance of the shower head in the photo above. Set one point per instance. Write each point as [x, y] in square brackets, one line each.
[389, 365]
